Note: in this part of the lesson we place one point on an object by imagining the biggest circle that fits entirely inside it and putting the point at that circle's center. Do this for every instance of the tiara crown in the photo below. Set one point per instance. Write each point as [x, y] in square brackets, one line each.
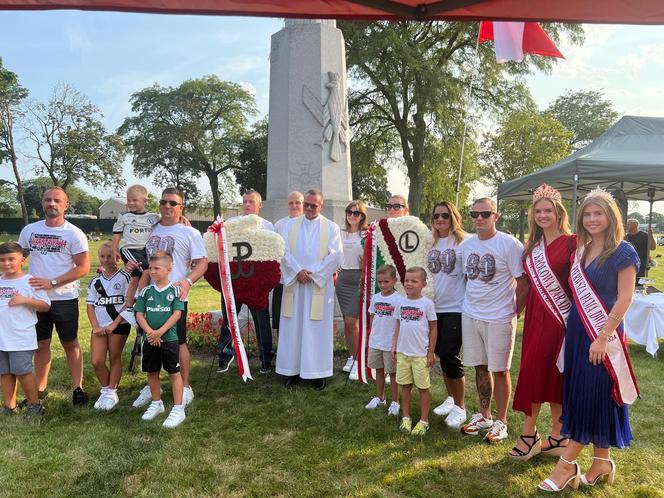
[600, 192]
[545, 191]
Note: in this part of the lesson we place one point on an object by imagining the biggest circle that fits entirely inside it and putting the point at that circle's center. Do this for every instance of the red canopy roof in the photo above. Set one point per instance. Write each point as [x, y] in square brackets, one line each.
[599, 11]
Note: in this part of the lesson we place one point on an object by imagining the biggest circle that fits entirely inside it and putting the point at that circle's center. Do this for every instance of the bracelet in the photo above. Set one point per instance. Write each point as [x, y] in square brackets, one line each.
[615, 317]
[605, 333]
[189, 281]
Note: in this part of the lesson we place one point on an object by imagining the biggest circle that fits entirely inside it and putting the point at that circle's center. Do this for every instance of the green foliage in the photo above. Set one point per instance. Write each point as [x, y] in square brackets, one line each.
[369, 171]
[410, 80]
[9, 206]
[71, 142]
[80, 202]
[252, 170]
[177, 134]
[657, 219]
[637, 216]
[586, 113]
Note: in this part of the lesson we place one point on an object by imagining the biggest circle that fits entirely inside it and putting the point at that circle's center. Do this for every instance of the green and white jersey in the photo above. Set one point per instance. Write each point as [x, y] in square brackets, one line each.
[158, 305]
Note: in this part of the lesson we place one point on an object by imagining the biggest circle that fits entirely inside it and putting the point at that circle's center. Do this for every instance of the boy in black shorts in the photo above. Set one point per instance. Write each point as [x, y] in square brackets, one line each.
[158, 309]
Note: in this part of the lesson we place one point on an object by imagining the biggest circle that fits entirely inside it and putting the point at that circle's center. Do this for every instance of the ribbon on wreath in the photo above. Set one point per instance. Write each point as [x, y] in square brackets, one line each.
[229, 298]
[367, 286]
[392, 247]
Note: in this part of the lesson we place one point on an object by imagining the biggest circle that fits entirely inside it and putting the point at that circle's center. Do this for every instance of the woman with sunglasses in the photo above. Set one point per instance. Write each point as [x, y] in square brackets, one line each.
[444, 261]
[348, 282]
[546, 260]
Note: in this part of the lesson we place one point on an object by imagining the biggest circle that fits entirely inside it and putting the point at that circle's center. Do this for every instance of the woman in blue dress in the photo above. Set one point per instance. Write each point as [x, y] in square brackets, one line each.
[591, 415]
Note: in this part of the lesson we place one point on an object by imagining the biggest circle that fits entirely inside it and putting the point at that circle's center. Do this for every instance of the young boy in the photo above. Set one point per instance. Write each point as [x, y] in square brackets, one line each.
[105, 301]
[413, 346]
[19, 304]
[158, 309]
[383, 325]
[130, 234]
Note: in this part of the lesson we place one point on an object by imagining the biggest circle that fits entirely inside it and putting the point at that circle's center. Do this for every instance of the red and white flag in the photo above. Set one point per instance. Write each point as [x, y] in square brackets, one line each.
[511, 40]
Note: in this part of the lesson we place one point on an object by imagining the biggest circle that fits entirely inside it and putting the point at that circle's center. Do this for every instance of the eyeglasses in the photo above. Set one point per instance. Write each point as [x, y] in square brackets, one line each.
[350, 212]
[308, 205]
[445, 216]
[164, 202]
[395, 207]
[483, 214]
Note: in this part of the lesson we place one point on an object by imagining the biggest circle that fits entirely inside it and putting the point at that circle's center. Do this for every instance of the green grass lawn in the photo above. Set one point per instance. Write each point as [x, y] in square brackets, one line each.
[258, 439]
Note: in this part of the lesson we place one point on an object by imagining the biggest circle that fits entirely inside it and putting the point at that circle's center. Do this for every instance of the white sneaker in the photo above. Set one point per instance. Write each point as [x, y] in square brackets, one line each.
[375, 403]
[353, 373]
[102, 394]
[187, 396]
[456, 418]
[393, 410]
[144, 397]
[175, 418]
[497, 433]
[155, 408]
[445, 408]
[477, 424]
[349, 364]
[110, 400]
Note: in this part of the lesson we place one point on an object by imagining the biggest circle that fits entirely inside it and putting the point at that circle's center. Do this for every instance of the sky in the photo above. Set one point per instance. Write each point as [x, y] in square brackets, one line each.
[109, 56]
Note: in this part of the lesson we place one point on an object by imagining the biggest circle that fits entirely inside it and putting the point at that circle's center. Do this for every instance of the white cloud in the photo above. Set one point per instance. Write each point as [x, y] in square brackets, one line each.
[578, 58]
[650, 53]
[78, 41]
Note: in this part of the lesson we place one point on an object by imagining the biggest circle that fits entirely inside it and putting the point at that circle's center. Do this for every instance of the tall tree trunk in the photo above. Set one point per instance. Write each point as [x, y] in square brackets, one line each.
[19, 186]
[213, 178]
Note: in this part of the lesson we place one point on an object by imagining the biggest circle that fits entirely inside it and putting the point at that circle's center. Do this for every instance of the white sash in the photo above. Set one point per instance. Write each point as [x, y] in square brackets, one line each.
[594, 314]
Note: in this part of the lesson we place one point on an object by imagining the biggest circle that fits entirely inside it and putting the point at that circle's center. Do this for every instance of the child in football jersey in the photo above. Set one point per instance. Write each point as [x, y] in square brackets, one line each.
[105, 301]
[130, 234]
[19, 304]
[158, 309]
[383, 307]
[413, 347]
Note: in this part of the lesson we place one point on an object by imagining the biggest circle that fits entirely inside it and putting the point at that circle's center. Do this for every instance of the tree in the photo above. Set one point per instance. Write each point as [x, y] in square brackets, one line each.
[586, 113]
[195, 128]
[252, 168]
[8, 204]
[637, 216]
[526, 142]
[11, 96]
[80, 202]
[71, 142]
[411, 78]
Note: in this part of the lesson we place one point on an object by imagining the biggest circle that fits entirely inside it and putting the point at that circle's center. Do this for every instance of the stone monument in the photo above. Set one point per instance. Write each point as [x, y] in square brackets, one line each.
[308, 132]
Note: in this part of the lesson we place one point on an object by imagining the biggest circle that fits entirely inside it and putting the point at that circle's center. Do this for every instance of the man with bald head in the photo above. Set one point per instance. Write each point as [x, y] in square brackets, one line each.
[643, 243]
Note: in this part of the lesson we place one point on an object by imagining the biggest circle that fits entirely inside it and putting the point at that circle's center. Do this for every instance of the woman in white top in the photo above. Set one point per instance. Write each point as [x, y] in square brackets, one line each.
[348, 281]
[445, 264]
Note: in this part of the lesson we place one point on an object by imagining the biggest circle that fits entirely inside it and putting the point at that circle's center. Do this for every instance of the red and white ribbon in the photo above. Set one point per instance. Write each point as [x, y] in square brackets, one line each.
[594, 314]
[550, 291]
[367, 286]
[229, 298]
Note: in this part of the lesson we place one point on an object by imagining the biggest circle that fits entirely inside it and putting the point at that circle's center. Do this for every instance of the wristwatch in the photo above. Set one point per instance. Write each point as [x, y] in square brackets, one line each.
[54, 283]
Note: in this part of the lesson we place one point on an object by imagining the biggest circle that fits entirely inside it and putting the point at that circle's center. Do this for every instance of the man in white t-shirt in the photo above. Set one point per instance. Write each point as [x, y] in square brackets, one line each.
[251, 204]
[185, 245]
[295, 209]
[59, 257]
[492, 264]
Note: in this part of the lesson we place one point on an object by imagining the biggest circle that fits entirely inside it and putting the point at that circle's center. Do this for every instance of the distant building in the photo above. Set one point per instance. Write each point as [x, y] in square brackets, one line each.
[111, 208]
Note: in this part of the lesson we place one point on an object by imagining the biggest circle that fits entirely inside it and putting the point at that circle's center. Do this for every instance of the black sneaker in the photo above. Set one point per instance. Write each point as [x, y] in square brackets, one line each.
[319, 384]
[291, 381]
[225, 364]
[265, 368]
[5, 411]
[79, 397]
[34, 411]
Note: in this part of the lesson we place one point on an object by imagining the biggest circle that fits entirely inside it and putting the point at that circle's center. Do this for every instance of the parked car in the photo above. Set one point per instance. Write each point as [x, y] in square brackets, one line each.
[660, 241]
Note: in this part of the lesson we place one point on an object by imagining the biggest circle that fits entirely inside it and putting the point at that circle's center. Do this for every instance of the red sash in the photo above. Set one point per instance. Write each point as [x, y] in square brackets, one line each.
[229, 299]
[594, 314]
[367, 286]
[546, 284]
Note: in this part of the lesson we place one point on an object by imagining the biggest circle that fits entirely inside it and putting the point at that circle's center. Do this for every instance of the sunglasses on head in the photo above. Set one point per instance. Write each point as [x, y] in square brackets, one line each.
[164, 202]
[394, 207]
[308, 205]
[483, 214]
[445, 216]
[350, 212]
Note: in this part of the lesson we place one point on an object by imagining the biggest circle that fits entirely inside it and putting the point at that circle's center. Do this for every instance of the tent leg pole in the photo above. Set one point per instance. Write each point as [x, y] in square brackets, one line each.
[649, 229]
[574, 201]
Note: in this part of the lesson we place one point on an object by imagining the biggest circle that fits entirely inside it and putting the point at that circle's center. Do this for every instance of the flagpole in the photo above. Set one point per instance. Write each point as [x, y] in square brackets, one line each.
[466, 114]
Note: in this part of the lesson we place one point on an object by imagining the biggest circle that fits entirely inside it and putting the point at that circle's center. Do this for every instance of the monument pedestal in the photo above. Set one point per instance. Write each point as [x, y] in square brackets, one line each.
[308, 133]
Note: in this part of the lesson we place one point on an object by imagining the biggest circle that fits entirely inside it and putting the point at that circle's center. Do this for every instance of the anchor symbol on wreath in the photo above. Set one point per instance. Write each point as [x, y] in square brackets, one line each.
[239, 258]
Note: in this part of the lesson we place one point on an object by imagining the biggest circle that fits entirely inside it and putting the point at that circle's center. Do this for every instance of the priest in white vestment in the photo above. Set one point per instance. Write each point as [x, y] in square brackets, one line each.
[313, 253]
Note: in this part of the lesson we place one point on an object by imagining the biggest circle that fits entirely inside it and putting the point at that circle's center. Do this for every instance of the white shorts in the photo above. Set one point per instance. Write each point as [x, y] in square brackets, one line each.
[488, 343]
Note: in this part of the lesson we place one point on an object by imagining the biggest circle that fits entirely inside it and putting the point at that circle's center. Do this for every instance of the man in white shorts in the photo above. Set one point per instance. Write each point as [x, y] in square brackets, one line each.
[492, 264]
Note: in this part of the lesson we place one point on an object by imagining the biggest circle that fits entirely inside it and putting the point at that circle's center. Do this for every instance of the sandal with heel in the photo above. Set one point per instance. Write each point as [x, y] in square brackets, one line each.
[534, 448]
[610, 476]
[555, 448]
[573, 481]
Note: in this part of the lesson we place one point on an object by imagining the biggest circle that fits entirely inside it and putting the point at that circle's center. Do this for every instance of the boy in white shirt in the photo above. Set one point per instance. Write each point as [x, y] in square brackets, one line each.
[413, 347]
[383, 307]
[19, 304]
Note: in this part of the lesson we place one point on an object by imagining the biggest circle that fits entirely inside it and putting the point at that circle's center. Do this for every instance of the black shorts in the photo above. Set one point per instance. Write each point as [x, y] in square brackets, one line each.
[166, 355]
[62, 314]
[139, 256]
[122, 329]
[448, 344]
[182, 326]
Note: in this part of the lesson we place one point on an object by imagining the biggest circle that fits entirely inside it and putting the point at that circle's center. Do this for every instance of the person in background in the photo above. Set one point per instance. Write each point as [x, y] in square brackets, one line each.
[643, 243]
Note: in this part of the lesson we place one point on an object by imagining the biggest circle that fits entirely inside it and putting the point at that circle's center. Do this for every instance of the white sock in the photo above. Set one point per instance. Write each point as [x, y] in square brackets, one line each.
[178, 407]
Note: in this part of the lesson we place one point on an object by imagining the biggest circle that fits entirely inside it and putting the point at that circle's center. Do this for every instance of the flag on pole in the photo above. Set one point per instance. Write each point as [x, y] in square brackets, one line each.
[511, 40]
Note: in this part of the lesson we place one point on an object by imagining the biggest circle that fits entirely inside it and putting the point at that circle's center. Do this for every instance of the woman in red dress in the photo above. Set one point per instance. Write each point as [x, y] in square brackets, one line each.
[546, 255]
